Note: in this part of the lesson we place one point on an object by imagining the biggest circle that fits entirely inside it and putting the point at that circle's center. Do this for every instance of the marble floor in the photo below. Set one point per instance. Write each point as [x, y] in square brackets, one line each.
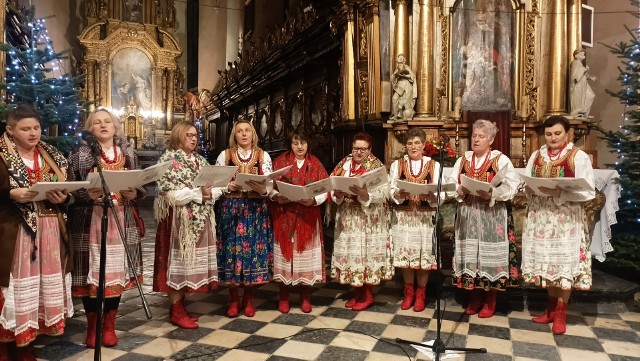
[597, 330]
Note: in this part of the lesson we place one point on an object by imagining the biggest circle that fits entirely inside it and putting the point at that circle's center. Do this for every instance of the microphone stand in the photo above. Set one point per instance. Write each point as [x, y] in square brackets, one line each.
[438, 347]
[107, 203]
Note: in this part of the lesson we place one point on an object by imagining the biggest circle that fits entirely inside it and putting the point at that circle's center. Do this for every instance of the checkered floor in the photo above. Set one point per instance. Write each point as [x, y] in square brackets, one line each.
[596, 331]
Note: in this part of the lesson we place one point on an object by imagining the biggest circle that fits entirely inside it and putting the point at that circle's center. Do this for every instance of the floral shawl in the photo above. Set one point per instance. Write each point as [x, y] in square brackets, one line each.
[192, 216]
[369, 163]
[294, 218]
[20, 177]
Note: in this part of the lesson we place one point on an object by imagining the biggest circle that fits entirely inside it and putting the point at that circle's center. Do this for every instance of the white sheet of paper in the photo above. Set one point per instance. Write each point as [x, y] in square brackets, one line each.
[417, 189]
[297, 193]
[373, 179]
[474, 185]
[498, 177]
[119, 180]
[43, 187]
[215, 176]
[566, 184]
[242, 178]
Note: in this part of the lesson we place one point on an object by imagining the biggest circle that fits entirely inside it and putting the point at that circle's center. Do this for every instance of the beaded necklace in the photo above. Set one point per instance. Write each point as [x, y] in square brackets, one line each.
[419, 169]
[476, 172]
[35, 174]
[556, 155]
[353, 172]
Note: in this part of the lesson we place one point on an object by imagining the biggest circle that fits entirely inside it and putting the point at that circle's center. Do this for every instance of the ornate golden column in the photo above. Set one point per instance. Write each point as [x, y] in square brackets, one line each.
[401, 28]
[574, 28]
[348, 63]
[91, 85]
[171, 76]
[372, 20]
[425, 72]
[556, 71]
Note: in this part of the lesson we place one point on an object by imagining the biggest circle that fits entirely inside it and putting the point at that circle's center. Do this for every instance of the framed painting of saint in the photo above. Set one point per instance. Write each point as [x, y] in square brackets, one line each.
[131, 80]
[482, 52]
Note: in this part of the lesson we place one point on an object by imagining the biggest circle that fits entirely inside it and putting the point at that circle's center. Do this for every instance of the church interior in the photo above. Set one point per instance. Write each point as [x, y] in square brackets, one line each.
[334, 68]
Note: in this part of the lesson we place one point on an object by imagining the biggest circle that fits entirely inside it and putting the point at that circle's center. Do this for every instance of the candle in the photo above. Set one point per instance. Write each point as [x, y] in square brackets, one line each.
[456, 107]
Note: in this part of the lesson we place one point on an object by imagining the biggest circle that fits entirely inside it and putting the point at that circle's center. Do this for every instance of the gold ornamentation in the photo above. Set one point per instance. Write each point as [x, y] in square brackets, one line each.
[444, 59]
[530, 60]
[363, 78]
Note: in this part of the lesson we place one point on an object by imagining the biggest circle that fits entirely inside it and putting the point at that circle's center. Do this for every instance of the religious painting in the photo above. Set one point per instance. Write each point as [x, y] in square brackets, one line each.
[482, 52]
[132, 11]
[131, 80]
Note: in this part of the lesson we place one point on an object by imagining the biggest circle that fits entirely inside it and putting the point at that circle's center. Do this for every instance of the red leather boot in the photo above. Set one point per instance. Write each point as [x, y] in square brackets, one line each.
[489, 308]
[283, 303]
[247, 301]
[4, 352]
[560, 319]
[421, 293]
[366, 301]
[475, 302]
[232, 311]
[357, 294]
[305, 295]
[180, 318]
[109, 337]
[409, 294]
[548, 315]
[25, 353]
[191, 317]
[91, 330]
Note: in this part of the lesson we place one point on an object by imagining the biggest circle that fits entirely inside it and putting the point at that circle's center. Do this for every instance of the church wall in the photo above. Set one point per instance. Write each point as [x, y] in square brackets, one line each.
[64, 22]
[610, 17]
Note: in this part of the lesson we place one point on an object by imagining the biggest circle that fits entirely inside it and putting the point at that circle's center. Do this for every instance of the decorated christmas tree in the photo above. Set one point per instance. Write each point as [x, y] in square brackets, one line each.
[625, 142]
[34, 75]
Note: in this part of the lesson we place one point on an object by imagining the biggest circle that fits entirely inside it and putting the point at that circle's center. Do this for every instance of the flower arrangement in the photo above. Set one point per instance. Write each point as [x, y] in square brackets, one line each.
[432, 150]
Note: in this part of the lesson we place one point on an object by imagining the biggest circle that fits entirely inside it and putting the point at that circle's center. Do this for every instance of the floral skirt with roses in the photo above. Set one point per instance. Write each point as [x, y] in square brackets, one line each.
[485, 246]
[245, 241]
[555, 248]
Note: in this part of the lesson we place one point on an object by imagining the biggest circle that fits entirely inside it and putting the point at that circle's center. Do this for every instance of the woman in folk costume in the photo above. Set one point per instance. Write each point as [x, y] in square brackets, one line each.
[555, 243]
[85, 225]
[412, 219]
[485, 246]
[185, 255]
[298, 250]
[245, 234]
[362, 248]
[35, 255]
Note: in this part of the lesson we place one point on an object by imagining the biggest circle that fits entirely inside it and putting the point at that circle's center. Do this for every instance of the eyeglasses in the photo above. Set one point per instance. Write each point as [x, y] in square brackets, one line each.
[360, 149]
[192, 135]
[414, 145]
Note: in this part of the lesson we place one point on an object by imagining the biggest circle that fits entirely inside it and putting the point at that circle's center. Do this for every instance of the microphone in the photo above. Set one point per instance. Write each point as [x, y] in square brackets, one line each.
[91, 141]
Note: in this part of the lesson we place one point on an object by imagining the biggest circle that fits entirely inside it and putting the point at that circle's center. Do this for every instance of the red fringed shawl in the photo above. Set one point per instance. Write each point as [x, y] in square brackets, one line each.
[294, 218]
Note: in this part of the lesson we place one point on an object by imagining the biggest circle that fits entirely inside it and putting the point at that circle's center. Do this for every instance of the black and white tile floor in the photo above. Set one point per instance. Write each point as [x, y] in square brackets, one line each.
[596, 331]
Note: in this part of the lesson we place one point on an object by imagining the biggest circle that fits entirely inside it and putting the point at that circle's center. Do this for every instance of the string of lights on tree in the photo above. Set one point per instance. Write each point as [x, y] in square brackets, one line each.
[35, 75]
[626, 140]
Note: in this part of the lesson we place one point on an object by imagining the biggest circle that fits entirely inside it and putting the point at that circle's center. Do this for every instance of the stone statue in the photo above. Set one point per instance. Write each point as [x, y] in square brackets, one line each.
[405, 91]
[580, 92]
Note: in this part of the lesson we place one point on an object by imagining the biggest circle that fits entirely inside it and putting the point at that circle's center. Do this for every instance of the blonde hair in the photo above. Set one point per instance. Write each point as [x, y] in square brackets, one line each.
[88, 123]
[178, 133]
[232, 137]
[489, 127]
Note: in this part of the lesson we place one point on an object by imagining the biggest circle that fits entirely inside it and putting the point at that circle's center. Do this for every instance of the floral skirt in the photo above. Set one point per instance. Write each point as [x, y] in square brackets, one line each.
[171, 272]
[412, 235]
[38, 299]
[555, 248]
[485, 246]
[362, 247]
[306, 267]
[245, 241]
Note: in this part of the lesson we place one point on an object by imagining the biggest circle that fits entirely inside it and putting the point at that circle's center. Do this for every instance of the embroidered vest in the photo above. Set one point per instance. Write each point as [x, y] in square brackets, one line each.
[252, 166]
[484, 174]
[564, 167]
[425, 176]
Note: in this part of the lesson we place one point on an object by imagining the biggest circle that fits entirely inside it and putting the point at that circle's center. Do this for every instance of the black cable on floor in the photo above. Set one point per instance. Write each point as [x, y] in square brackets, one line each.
[295, 334]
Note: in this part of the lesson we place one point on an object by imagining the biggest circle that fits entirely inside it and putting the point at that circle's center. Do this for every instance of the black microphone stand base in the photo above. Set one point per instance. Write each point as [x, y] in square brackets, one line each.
[440, 351]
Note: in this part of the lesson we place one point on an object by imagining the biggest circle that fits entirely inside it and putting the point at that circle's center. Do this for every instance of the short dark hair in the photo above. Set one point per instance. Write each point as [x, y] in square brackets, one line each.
[363, 136]
[22, 111]
[300, 134]
[557, 119]
[415, 132]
